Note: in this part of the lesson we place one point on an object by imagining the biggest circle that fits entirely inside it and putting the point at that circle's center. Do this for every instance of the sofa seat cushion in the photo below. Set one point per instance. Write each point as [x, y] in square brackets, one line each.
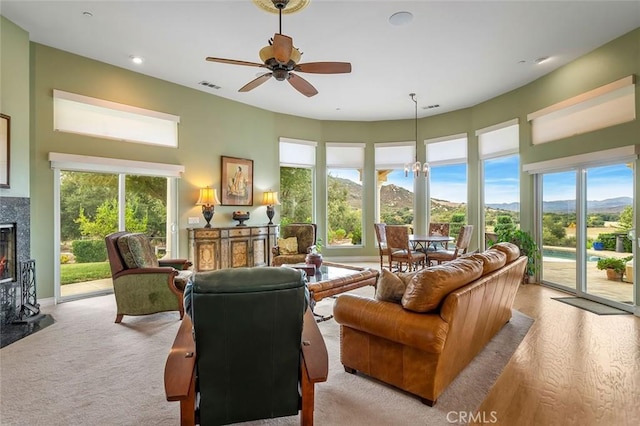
[511, 250]
[427, 332]
[391, 286]
[136, 251]
[491, 260]
[430, 286]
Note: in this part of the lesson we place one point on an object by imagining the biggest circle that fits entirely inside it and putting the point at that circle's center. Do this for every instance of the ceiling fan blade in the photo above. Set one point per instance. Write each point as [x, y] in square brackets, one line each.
[324, 67]
[282, 48]
[235, 62]
[255, 82]
[302, 85]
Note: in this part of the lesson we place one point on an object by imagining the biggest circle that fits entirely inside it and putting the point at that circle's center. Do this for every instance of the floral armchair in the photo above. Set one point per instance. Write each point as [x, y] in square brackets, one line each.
[295, 242]
[142, 284]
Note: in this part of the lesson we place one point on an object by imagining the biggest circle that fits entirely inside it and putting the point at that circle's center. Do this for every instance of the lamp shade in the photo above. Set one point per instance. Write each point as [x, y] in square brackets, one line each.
[208, 197]
[270, 198]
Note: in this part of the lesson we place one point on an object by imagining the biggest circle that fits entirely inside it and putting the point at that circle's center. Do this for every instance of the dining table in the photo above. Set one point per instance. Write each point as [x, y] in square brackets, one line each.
[422, 242]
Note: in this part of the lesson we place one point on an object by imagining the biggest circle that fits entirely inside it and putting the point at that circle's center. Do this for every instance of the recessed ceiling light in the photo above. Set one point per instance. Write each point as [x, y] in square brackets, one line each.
[136, 59]
[542, 60]
[400, 18]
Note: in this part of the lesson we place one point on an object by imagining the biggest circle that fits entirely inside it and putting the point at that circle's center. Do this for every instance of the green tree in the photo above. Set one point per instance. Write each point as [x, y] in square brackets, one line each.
[106, 220]
[295, 195]
[504, 223]
[625, 223]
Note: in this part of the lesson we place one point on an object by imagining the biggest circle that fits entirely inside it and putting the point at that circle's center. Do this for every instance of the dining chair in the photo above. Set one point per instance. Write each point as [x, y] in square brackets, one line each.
[381, 237]
[462, 244]
[441, 229]
[400, 251]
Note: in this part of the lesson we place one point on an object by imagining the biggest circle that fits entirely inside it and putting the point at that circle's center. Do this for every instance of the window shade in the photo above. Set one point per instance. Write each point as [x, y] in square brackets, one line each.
[345, 155]
[105, 119]
[296, 152]
[394, 155]
[84, 163]
[499, 140]
[447, 150]
[606, 106]
[625, 154]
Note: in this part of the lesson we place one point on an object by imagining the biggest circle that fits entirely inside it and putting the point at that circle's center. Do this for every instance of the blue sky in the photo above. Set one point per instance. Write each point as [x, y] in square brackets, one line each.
[501, 182]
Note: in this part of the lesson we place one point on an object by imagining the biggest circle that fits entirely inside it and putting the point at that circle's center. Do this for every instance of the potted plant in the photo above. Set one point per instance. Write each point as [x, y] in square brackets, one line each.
[614, 266]
[528, 247]
[598, 245]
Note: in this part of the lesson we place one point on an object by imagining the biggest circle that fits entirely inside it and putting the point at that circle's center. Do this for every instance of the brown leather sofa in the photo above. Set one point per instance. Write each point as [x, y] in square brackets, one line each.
[431, 323]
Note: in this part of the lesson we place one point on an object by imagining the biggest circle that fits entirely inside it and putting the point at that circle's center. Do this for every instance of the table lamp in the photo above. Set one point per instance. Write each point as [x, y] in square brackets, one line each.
[208, 199]
[269, 199]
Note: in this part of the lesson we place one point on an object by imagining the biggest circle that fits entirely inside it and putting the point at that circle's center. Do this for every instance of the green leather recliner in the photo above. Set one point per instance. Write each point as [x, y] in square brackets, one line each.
[257, 351]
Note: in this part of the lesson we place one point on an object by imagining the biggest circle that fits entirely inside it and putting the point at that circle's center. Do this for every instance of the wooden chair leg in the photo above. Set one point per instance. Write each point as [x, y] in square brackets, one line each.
[308, 398]
[119, 318]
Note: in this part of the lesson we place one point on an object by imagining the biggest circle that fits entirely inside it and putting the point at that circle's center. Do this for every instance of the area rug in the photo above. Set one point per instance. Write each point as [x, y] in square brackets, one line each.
[591, 306]
[85, 369]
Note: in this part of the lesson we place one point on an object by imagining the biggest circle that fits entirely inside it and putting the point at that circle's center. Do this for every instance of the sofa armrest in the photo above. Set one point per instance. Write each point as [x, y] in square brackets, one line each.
[391, 321]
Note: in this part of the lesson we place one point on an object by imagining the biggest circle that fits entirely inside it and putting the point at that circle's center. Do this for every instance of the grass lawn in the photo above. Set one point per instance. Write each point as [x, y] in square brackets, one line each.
[78, 272]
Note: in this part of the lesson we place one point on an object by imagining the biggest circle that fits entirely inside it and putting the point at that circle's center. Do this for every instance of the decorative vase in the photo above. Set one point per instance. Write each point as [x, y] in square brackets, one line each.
[314, 259]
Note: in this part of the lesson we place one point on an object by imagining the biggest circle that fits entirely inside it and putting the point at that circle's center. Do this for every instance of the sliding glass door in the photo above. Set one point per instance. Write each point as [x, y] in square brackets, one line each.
[586, 216]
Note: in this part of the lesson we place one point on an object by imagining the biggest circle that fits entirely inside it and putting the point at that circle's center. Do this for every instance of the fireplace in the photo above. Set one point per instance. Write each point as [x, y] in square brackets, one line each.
[8, 254]
[15, 239]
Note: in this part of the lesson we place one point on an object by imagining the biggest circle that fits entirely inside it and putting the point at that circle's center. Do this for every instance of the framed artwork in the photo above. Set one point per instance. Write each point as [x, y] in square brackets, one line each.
[5, 140]
[237, 182]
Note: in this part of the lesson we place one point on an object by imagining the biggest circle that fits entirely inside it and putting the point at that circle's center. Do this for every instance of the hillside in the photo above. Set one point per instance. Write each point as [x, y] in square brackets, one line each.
[396, 198]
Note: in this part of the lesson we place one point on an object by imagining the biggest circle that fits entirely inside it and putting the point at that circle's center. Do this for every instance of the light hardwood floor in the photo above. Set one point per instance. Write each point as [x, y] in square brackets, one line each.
[573, 367]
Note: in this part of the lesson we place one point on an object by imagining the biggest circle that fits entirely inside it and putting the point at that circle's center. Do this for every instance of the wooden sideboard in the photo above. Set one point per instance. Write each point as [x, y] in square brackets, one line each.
[232, 247]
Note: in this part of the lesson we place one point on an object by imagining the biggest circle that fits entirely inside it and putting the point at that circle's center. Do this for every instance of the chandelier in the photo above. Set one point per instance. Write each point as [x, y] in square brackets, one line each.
[416, 167]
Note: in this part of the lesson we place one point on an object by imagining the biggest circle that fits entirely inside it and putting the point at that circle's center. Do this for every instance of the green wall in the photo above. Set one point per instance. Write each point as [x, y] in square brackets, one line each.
[212, 126]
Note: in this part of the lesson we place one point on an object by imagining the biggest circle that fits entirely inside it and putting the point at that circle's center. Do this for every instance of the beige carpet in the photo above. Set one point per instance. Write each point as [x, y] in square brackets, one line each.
[86, 370]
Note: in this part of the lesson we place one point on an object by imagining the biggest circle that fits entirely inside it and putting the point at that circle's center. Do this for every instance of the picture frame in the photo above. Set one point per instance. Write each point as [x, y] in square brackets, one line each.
[236, 181]
[5, 146]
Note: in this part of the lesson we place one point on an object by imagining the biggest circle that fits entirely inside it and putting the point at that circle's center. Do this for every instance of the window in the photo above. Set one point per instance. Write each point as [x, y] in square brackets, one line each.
[394, 190]
[606, 106]
[96, 117]
[500, 164]
[297, 162]
[447, 157]
[345, 163]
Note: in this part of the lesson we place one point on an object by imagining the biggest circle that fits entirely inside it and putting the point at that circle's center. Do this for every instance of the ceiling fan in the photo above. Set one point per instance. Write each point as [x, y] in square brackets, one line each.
[281, 58]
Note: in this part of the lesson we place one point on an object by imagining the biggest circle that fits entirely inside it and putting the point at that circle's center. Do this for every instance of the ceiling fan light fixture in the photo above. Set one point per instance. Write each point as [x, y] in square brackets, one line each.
[266, 53]
[287, 6]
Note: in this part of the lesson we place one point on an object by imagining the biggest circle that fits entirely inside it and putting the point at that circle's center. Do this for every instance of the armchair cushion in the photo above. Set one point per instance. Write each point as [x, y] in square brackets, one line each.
[136, 251]
[430, 286]
[288, 245]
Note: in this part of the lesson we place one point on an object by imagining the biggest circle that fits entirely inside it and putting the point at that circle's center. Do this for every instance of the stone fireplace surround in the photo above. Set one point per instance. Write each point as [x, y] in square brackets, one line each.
[16, 210]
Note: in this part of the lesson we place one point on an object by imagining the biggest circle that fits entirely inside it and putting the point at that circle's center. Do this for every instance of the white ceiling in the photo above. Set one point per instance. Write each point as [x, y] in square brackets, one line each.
[453, 53]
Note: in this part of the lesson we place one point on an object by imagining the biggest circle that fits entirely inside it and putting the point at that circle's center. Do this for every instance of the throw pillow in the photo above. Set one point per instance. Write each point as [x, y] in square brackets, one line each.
[390, 287]
[288, 245]
[430, 286]
[136, 251]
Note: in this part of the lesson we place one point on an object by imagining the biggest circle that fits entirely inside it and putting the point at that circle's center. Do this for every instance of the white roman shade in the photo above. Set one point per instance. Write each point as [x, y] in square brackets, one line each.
[297, 153]
[345, 155]
[499, 140]
[447, 150]
[625, 154]
[85, 163]
[606, 106]
[105, 119]
[394, 155]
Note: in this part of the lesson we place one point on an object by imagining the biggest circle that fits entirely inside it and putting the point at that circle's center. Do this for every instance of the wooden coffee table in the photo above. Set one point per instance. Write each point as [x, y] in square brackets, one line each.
[334, 278]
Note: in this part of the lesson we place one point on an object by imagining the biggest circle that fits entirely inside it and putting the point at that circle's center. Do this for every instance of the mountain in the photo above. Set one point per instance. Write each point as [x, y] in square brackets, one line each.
[610, 205]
